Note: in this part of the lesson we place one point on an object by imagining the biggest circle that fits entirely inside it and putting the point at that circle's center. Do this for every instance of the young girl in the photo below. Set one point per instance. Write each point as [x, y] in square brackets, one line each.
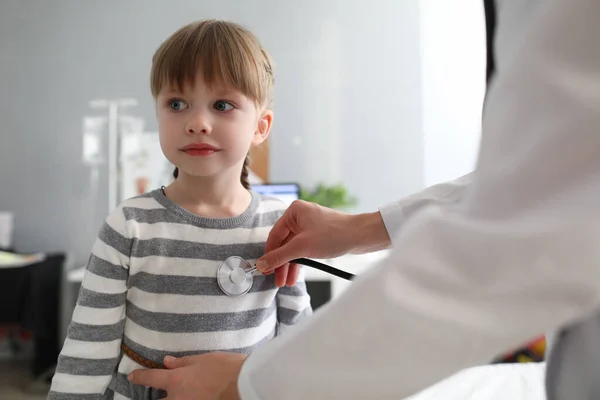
[150, 288]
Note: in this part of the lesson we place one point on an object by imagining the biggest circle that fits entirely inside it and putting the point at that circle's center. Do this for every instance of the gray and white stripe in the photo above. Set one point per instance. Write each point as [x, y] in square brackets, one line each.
[151, 284]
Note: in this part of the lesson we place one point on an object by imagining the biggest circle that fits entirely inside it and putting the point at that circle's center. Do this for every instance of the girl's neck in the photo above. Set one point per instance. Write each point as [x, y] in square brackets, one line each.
[213, 197]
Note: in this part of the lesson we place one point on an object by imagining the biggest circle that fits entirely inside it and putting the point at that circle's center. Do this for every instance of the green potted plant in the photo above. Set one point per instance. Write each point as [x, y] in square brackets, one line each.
[334, 196]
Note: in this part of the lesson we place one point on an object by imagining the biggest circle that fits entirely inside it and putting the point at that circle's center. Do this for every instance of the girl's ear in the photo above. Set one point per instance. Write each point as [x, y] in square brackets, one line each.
[263, 127]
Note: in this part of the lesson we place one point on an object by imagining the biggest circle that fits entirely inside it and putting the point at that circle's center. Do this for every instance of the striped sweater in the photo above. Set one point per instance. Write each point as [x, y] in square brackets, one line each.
[150, 284]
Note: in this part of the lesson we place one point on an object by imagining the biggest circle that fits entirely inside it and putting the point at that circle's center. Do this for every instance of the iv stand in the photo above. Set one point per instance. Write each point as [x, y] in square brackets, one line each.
[113, 143]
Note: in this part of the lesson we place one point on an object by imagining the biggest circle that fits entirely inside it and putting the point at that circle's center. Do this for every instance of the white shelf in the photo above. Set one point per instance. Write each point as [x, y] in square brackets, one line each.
[76, 275]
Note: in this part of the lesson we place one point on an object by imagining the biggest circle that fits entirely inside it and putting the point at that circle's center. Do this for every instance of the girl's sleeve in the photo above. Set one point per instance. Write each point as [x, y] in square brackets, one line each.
[293, 303]
[91, 351]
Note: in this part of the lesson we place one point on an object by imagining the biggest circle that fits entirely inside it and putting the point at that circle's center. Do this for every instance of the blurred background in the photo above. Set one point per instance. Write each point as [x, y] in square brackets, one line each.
[374, 100]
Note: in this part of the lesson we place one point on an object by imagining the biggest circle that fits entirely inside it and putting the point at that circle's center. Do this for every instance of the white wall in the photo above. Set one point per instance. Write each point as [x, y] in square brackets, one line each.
[348, 98]
[453, 62]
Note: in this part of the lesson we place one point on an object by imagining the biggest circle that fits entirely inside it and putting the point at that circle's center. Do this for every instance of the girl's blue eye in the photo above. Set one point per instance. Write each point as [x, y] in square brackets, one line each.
[223, 106]
[177, 105]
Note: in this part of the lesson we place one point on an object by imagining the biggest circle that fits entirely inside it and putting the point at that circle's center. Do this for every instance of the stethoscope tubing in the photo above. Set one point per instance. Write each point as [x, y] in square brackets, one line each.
[321, 267]
[325, 268]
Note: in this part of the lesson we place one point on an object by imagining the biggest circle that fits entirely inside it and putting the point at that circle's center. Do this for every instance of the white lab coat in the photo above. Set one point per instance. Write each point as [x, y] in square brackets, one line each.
[480, 270]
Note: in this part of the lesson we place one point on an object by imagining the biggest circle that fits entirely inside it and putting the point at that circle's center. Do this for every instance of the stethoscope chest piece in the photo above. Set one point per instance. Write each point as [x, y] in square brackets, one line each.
[235, 276]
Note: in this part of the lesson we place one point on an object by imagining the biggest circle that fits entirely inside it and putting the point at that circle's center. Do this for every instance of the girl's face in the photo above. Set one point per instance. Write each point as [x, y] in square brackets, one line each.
[208, 130]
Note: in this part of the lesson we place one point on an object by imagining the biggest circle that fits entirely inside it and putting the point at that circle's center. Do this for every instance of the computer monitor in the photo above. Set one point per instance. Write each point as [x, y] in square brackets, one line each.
[286, 192]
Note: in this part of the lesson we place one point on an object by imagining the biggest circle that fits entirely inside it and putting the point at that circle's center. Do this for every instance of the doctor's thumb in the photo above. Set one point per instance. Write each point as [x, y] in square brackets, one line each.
[281, 256]
[173, 362]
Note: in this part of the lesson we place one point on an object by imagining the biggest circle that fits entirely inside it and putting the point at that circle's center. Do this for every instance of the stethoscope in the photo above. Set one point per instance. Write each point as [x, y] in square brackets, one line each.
[235, 275]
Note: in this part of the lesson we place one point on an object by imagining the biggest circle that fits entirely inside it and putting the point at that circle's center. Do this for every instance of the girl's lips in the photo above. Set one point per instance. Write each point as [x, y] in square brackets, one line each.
[200, 149]
[200, 152]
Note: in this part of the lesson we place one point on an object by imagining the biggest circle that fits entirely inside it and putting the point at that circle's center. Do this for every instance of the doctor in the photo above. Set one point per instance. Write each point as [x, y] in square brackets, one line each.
[475, 269]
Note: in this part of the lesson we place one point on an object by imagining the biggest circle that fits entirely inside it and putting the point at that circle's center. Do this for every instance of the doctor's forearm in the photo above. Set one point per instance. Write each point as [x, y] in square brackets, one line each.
[369, 233]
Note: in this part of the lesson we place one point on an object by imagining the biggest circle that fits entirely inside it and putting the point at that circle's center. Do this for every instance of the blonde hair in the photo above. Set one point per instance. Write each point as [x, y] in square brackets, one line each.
[226, 53]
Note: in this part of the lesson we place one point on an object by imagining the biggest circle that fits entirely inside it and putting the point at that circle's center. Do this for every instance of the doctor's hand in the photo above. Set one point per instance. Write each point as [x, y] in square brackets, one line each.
[312, 231]
[211, 376]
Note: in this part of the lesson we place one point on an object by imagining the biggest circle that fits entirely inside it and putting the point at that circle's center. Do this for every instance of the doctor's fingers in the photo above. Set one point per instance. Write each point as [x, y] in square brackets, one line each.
[281, 275]
[155, 378]
[280, 233]
[293, 273]
[279, 236]
[299, 216]
[286, 275]
[297, 247]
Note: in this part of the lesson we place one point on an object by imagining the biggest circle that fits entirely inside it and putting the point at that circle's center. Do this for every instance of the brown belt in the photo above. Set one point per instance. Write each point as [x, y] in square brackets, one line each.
[139, 359]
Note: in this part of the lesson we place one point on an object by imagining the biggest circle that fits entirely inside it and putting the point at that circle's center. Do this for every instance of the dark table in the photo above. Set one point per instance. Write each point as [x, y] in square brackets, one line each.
[30, 298]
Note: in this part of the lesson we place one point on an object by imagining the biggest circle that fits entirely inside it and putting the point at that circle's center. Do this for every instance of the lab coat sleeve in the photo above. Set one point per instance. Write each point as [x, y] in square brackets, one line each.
[518, 255]
[395, 213]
